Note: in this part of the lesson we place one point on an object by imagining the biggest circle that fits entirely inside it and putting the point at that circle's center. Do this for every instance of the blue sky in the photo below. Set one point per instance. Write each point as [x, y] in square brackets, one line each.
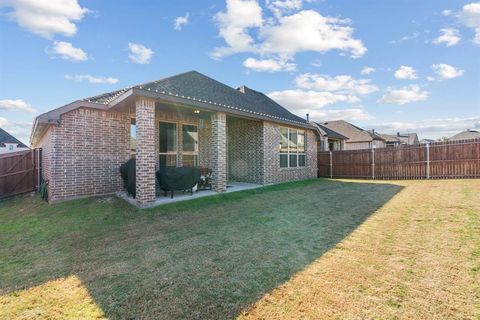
[390, 65]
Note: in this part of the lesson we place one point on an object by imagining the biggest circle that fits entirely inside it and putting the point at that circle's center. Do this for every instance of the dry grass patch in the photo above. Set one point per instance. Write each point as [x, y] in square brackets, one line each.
[417, 257]
[64, 298]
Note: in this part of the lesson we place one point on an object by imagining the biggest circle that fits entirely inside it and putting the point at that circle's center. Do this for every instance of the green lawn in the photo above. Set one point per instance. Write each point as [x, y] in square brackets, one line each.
[209, 258]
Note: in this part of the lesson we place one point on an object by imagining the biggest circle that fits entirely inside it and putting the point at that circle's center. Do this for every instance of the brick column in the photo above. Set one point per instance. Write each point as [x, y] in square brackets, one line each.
[218, 152]
[145, 157]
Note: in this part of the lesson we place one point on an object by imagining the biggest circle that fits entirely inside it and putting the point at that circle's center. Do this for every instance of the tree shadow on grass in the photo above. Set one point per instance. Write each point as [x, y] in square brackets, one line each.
[208, 258]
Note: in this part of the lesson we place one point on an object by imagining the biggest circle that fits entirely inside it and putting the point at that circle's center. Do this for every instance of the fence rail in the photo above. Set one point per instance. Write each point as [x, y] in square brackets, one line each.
[439, 160]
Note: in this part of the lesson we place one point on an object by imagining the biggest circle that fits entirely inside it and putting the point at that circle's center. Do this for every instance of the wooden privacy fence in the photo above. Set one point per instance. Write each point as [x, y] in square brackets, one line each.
[19, 172]
[439, 160]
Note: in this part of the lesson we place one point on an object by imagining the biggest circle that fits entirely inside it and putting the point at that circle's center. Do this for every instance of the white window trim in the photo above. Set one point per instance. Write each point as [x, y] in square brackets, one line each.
[288, 153]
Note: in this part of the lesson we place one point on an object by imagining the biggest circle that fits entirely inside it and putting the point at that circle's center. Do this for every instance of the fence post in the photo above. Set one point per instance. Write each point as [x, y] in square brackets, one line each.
[373, 163]
[428, 160]
[331, 166]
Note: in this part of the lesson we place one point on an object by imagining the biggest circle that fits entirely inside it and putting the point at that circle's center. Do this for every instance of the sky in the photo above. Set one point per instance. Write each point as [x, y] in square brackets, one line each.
[408, 66]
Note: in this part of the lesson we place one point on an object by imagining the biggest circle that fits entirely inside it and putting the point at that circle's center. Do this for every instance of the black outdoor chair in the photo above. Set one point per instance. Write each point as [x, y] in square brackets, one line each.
[177, 179]
[127, 171]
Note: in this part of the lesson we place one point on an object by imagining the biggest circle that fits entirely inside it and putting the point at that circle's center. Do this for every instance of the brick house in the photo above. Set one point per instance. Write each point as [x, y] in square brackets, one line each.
[9, 143]
[185, 120]
[357, 138]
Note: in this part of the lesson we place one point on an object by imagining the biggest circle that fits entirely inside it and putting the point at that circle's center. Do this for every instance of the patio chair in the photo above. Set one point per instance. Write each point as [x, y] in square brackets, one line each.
[205, 179]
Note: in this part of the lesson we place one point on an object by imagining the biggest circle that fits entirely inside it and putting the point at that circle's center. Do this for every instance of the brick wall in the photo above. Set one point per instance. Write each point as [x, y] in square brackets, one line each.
[86, 151]
[272, 171]
[204, 142]
[245, 150]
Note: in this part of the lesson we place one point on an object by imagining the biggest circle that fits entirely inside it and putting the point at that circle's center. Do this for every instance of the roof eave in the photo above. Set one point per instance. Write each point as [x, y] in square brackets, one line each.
[207, 105]
[53, 117]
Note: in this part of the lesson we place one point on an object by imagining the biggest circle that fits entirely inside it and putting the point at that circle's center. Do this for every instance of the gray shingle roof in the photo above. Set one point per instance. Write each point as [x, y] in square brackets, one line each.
[466, 135]
[389, 137]
[352, 132]
[331, 133]
[6, 137]
[193, 84]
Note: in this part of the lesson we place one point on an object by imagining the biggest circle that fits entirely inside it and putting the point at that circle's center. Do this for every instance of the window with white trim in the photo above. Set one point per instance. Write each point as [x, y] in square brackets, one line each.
[292, 148]
[167, 144]
[190, 145]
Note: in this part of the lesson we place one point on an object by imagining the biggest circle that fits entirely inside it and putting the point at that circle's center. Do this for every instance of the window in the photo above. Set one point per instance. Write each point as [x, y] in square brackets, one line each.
[167, 144]
[190, 145]
[133, 138]
[292, 148]
[10, 147]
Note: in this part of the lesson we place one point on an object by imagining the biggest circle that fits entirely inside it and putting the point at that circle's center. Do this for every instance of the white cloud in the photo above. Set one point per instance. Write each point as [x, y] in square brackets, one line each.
[430, 78]
[446, 71]
[406, 38]
[181, 21]
[270, 65]
[470, 17]
[432, 128]
[317, 63]
[285, 35]
[234, 24]
[301, 102]
[13, 105]
[367, 70]
[405, 72]
[281, 7]
[67, 51]
[309, 100]
[139, 53]
[350, 114]
[46, 18]
[404, 95]
[4, 122]
[91, 79]
[308, 30]
[449, 36]
[341, 84]
[446, 12]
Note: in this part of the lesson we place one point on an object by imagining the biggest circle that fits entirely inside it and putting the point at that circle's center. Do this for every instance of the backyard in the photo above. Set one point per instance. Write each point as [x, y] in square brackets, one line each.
[312, 249]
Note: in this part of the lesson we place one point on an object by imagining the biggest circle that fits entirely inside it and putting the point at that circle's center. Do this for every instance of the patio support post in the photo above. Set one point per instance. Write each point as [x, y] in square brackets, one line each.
[145, 146]
[219, 152]
[427, 148]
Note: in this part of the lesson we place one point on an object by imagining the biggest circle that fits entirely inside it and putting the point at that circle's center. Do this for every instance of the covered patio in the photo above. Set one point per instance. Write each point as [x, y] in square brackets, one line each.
[165, 133]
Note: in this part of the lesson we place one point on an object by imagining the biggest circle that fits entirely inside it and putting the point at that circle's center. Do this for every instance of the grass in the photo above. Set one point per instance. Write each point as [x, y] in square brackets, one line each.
[417, 257]
[311, 249]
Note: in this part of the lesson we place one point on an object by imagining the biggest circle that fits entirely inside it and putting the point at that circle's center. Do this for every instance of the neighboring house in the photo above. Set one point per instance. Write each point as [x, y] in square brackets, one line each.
[400, 139]
[391, 141]
[465, 135]
[409, 139]
[330, 140]
[185, 120]
[357, 137]
[9, 143]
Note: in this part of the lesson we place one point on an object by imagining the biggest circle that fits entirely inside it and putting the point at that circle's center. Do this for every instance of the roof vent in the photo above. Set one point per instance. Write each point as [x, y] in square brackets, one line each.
[242, 89]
